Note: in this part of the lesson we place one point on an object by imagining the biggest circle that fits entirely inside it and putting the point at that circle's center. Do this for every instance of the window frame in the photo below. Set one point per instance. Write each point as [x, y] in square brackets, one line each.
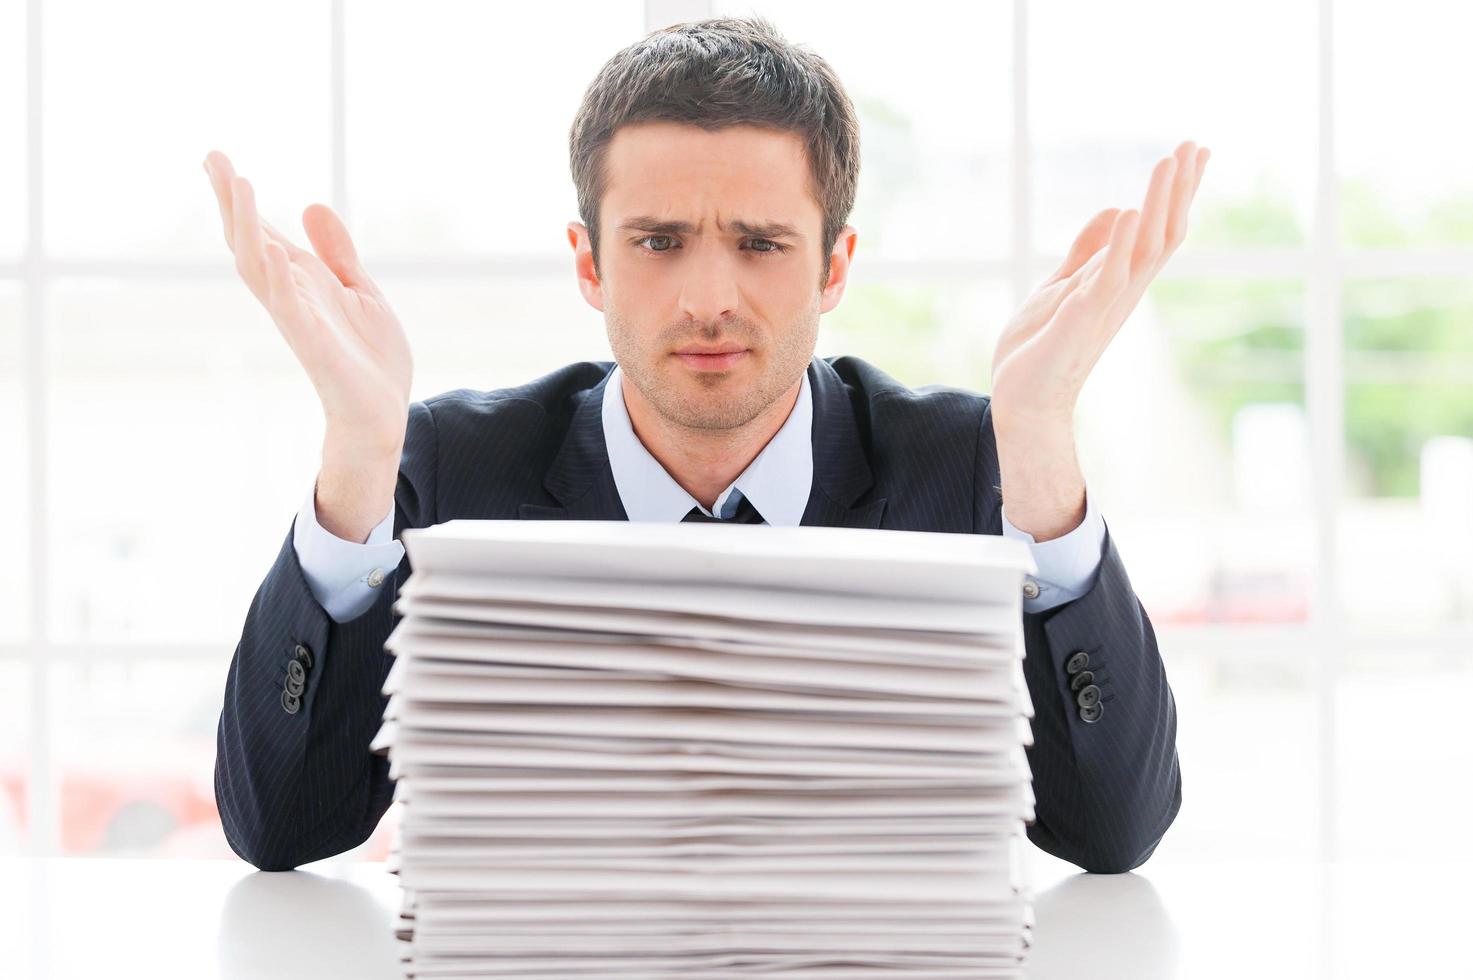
[1323, 264]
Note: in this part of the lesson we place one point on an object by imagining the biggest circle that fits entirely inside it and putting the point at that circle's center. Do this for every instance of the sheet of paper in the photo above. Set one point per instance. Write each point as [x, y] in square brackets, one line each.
[919, 564]
[678, 599]
[970, 621]
[823, 674]
[912, 647]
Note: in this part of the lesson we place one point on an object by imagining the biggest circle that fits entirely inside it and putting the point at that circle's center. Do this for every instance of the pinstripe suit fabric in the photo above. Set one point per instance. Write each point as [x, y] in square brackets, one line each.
[297, 787]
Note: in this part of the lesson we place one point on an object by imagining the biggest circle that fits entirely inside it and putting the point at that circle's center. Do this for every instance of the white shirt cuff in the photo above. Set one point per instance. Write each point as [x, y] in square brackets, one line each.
[1067, 565]
[345, 576]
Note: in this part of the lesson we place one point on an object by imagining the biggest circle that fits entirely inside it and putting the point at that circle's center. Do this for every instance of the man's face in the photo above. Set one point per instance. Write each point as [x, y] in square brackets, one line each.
[710, 258]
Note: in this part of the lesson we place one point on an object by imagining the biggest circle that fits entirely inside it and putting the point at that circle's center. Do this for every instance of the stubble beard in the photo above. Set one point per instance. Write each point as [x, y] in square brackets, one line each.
[710, 400]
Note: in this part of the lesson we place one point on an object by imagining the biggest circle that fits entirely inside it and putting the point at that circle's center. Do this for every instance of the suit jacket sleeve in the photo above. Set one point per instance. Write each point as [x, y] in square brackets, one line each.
[1067, 565]
[1105, 790]
[337, 571]
[294, 787]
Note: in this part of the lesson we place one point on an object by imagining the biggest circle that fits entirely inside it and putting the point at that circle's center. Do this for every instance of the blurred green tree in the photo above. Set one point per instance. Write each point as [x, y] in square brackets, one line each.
[1408, 341]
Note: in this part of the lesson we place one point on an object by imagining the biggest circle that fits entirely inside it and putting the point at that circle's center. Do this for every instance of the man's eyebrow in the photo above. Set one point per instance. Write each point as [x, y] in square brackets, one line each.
[759, 229]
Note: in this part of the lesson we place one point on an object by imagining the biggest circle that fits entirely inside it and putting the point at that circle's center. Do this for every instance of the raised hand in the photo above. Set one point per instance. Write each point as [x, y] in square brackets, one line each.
[1048, 348]
[333, 316]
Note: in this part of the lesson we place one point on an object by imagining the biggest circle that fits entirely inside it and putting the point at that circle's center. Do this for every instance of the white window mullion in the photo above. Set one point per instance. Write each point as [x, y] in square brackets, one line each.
[1324, 397]
[338, 52]
[1022, 272]
[42, 812]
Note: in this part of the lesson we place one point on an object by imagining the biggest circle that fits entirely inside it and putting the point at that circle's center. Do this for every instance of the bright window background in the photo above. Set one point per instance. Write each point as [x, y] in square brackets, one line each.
[1280, 438]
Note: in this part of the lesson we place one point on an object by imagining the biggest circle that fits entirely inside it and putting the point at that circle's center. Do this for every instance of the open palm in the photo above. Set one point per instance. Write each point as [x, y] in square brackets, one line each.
[335, 319]
[1050, 345]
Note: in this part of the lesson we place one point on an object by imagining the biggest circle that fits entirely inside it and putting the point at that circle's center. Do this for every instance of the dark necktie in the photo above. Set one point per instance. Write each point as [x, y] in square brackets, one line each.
[745, 514]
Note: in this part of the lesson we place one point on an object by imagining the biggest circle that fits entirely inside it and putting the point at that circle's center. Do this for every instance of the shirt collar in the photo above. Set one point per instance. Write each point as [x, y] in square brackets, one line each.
[777, 482]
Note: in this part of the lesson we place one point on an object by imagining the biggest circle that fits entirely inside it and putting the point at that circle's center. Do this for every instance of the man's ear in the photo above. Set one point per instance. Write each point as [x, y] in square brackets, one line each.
[589, 283]
[839, 260]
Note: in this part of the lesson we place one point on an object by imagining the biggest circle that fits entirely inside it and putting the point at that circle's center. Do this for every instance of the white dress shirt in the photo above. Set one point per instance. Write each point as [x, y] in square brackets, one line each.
[345, 576]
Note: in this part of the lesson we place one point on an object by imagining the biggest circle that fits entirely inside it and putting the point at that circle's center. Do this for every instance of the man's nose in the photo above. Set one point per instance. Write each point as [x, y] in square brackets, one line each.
[709, 291]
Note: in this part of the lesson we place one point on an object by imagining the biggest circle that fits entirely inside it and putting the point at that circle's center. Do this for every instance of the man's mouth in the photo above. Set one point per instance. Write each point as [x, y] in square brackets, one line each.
[720, 357]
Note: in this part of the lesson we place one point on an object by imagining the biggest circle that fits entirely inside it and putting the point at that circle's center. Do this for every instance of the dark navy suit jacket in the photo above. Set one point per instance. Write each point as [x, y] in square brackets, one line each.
[297, 785]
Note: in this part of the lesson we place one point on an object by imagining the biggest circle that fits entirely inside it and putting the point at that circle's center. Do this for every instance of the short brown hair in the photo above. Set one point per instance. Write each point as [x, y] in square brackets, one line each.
[717, 72]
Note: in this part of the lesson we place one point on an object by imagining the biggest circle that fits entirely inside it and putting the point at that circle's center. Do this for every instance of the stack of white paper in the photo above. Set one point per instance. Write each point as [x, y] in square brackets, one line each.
[699, 750]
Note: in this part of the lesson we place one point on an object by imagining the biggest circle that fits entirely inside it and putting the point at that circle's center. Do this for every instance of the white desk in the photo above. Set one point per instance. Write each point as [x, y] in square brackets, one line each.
[87, 918]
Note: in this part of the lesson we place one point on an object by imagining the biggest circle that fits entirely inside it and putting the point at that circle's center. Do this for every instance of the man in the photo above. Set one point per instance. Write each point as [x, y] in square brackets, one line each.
[715, 166]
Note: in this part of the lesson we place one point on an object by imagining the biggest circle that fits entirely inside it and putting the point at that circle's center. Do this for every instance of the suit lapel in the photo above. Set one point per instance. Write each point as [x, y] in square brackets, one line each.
[582, 482]
[580, 479]
[841, 473]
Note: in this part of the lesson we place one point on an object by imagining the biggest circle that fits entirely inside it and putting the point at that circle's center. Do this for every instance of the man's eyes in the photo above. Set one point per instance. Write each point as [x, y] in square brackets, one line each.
[768, 247]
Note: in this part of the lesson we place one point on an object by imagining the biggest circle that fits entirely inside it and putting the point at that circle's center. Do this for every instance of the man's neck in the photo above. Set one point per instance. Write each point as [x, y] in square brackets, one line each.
[705, 461]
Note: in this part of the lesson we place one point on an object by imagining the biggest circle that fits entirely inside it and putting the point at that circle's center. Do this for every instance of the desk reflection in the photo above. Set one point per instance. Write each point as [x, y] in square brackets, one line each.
[1103, 927]
[302, 924]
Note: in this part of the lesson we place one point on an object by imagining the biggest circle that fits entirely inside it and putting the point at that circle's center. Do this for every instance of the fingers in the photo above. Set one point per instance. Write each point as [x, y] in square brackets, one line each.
[292, 248]
[1189, 179]
[288, 309]
[1089, 241]
[333, 244]
[221, 173]
[217, 165]
[1151, 237]
[281, 289]
[1115, 271]
[250, 239]
[1138, 240]
[1203, 155]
